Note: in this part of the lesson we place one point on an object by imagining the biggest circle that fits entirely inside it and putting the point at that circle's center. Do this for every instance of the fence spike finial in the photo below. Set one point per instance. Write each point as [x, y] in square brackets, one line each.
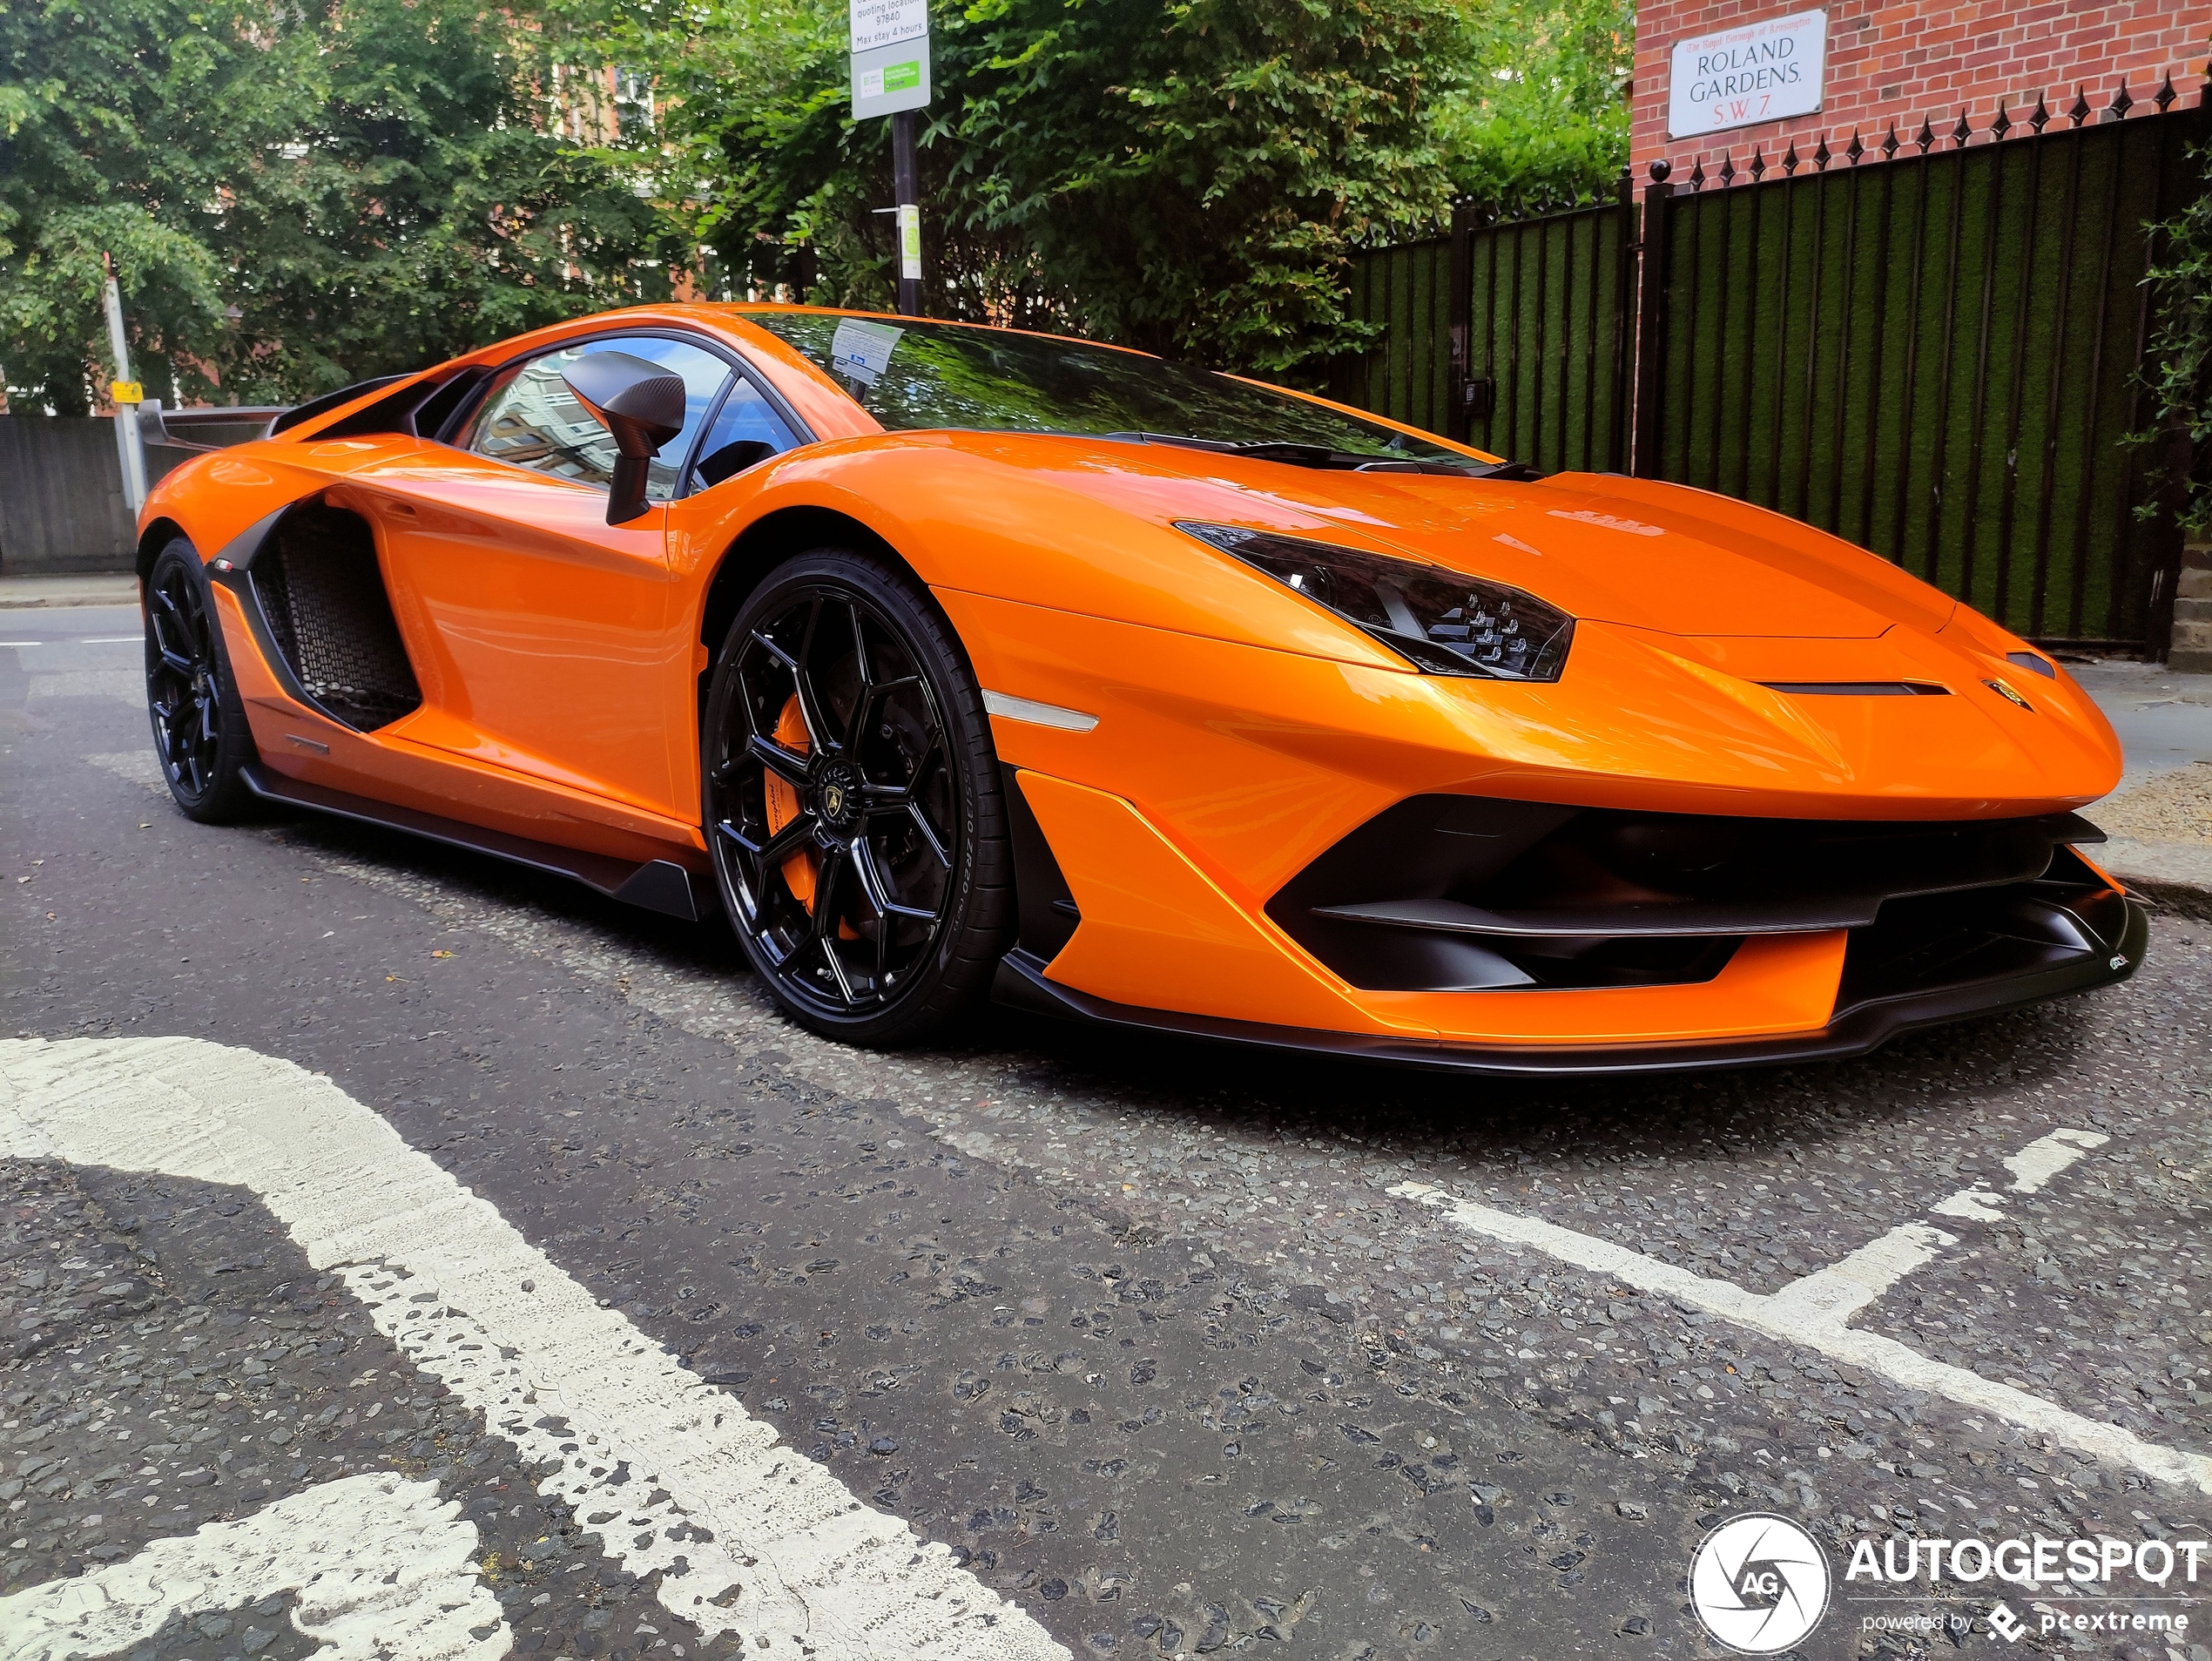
[2122, 103]
[1961, 133]
[1789, 163]
[2003, 124]
[1855, 149]
[2166, 95]
[1890, 145]
[1728, 168]
[1820, 157]
[2079, 112]
[1758, 165]
[2041, 119]
[1926, 137]
[1697, 174]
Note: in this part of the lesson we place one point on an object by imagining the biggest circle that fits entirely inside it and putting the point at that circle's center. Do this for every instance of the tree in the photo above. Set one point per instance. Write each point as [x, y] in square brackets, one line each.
[1187, 176]
[294, 199]
[123, 125]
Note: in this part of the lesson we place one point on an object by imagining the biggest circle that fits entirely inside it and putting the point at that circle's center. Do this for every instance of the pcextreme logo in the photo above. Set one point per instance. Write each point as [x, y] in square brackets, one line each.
[1759, 1583]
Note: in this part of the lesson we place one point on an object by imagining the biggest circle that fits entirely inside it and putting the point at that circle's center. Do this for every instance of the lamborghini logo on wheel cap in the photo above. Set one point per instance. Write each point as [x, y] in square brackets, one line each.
[833, 800]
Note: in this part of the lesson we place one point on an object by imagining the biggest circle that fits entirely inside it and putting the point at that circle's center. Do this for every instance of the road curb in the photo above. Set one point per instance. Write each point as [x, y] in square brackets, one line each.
[2174, 877]
[91, 588]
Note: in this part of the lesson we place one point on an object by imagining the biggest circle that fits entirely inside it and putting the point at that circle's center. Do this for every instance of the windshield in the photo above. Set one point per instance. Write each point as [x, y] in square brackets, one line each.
[914, 374]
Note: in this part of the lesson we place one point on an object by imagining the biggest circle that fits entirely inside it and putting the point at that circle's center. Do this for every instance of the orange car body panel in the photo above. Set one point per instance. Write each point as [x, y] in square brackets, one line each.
[1240, 729]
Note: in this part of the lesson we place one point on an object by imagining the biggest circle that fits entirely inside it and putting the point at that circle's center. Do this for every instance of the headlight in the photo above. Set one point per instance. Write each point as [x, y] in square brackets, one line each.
[1443, 622]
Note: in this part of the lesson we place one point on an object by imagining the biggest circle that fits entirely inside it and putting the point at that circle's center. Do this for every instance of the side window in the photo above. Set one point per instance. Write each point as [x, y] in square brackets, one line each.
[529, 418]
[746, 429]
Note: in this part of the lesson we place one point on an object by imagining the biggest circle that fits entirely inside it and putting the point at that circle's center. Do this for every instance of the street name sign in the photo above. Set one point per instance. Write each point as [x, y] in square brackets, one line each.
[1770, 71]
[890, 55]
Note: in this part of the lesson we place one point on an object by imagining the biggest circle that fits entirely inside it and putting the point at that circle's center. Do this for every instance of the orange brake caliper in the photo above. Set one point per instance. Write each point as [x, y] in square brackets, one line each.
[783, 804]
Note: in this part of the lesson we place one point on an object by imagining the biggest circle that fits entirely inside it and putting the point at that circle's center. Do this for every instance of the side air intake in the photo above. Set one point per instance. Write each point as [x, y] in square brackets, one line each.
[322, 595]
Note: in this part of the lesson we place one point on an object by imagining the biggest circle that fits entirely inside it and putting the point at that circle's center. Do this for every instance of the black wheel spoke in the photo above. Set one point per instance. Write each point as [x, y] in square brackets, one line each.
[791, 769]
[788, 840]
[878, 890]
[929, 835]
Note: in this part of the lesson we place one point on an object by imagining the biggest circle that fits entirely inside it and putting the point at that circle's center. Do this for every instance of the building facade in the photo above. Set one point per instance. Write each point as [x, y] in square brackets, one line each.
[1749, 68]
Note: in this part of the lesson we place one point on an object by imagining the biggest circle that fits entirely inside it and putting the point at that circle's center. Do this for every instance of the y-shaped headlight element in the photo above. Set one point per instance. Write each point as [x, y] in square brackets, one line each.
[1441, 622]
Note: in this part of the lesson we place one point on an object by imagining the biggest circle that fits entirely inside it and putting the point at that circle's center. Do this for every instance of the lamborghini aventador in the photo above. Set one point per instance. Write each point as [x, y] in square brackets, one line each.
[946, 661]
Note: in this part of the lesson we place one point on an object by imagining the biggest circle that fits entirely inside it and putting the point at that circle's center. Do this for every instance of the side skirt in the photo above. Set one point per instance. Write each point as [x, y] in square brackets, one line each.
[657, 885]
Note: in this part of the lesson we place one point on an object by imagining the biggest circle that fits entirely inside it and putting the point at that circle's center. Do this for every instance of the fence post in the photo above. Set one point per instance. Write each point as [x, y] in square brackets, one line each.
[1624, 325]
[1459, 314]
[1651, 322]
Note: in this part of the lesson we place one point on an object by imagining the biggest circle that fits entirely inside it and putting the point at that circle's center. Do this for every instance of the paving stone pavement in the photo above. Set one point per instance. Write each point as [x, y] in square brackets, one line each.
[1133, 1329]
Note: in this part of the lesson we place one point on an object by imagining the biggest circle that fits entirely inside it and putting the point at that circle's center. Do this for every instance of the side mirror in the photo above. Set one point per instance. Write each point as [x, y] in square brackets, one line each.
[642, 404]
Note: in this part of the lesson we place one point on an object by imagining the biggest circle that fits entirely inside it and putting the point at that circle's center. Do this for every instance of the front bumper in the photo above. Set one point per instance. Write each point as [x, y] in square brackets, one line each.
[1855, 1030]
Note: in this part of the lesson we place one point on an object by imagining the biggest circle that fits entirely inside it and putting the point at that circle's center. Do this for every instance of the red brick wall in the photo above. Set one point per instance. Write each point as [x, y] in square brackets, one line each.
[1907, 63]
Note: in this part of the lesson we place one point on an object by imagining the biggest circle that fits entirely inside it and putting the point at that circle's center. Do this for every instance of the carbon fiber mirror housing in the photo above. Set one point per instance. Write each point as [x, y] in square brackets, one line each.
[642, 404]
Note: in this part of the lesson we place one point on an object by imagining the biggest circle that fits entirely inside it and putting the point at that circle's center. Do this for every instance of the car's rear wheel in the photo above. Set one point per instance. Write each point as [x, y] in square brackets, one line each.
[199, 730]
[853, 801]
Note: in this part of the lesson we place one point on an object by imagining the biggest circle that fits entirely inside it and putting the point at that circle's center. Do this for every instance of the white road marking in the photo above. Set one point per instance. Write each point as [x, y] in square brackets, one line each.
[382, 1568]
[1841, 1290]
[20, 645]
[1813, 1312]
[751, 1537]
[2032, 1167]
[2046, 1157]
[112, 640]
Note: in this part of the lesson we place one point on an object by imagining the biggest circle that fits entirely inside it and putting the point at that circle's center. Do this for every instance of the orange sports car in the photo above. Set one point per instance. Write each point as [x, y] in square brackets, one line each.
[947, 660]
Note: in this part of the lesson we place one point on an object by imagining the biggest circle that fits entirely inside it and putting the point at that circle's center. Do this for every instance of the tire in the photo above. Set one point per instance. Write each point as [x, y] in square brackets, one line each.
[199, 731]
[853, 803]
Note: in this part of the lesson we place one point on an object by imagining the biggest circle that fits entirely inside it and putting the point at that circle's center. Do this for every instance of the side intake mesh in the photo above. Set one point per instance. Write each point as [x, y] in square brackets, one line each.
[324, 599]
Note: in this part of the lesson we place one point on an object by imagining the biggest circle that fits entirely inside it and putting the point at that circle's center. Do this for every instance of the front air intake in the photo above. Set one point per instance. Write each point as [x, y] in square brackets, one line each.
[321, 594]
[1465, 894]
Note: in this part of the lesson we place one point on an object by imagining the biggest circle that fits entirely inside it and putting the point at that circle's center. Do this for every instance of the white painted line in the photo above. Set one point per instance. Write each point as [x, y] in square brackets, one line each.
[22, 643]
[1835, 1293]
[1009, 707]
[751, 1537]
[2032, 1167]
[2046, 1157]
[382, 1567]
[112, 640]
[1812, 1312]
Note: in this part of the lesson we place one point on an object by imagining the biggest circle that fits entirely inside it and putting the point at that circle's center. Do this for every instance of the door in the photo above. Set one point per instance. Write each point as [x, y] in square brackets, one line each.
[545, 631]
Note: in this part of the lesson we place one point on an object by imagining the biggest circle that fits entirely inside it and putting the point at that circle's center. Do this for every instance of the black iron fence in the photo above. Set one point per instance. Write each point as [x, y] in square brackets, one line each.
[1512, 337]
[1931, 346]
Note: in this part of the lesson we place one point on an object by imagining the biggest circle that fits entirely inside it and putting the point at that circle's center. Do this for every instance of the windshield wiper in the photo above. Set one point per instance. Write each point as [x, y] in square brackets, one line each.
[1321, 456]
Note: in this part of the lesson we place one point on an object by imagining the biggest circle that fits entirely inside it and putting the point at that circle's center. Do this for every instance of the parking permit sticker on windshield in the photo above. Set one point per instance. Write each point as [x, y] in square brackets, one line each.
[862, 351]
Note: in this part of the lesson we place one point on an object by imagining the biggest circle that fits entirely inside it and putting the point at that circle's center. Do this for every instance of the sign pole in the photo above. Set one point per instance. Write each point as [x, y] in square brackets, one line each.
[906, 181]
[890, 70]
[127, 394]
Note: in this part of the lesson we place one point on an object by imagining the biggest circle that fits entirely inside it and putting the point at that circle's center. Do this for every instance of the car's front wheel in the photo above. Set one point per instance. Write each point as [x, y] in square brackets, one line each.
[853, 801]
[199, 729]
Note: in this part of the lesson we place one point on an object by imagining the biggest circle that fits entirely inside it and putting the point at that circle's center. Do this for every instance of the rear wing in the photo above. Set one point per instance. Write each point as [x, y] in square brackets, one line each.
[218, 427]
[214, 428]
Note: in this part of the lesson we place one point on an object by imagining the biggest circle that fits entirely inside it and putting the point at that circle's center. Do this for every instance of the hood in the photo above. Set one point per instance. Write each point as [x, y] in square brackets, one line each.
[1636, 552]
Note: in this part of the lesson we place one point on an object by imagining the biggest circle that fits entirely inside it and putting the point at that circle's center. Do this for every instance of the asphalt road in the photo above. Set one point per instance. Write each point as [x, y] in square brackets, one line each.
[1159, 1350]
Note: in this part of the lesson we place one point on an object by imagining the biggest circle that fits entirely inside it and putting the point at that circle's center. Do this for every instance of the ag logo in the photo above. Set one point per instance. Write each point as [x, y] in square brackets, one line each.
[1759, 1583]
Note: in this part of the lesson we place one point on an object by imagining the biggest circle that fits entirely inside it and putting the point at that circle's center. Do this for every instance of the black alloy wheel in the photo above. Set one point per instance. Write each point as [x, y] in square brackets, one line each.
[199, 729]
[852, 801]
